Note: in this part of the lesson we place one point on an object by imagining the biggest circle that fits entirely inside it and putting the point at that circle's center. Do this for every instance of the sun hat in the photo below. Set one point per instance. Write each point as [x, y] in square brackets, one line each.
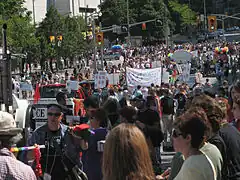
[8, 125]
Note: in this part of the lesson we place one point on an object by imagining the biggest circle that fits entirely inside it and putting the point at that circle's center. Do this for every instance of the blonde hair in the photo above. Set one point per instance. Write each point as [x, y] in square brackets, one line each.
[126, 155]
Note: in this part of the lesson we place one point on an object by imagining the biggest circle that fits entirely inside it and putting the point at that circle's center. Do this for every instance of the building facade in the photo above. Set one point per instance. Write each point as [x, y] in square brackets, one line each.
[38, 9]
[65, 7]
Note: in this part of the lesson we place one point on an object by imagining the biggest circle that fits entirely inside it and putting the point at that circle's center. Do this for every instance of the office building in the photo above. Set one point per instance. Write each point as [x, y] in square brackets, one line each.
[65, 7]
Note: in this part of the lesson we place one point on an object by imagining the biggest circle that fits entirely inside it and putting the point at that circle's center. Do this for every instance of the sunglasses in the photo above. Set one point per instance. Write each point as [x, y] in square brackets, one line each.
[54, 114]
[176, 134]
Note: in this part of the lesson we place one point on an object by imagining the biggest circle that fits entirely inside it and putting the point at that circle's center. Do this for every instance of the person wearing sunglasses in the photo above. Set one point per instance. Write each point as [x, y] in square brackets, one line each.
[189, 138]
[60, 145]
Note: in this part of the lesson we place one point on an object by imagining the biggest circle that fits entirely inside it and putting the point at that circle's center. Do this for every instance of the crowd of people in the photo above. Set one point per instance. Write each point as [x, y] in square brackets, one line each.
[123, 130]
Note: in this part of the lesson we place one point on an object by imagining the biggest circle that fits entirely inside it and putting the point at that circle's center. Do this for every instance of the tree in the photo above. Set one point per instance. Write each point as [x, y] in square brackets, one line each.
[21, 32]
[52, 25]
[184, 16]
[69, 28]
[115, 12]
[73, 43]
[10, 8]
[188, 17]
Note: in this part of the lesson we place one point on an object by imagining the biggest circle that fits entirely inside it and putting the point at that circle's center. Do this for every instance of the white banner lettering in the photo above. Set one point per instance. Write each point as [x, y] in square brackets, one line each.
[143, 77]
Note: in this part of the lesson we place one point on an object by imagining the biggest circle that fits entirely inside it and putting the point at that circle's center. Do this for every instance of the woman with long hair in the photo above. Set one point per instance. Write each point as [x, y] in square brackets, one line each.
[126, 155]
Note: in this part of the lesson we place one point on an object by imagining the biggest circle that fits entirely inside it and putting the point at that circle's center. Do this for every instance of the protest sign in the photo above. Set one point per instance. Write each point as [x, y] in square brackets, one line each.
[73, 85]
[100, 79]
[165, 76]
[113, 79]
[24, 86]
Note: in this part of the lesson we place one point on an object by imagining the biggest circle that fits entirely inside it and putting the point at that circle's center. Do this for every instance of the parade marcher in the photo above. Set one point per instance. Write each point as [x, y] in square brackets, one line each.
[90, 105]
[167, 103]
[207, 84]
[10, 167]
[62, 148]
[126, 155]
[231, 138]
[61, 98]
[92, 157]
[128, 114]
[188, 138]
[181, 98]
[148, 121]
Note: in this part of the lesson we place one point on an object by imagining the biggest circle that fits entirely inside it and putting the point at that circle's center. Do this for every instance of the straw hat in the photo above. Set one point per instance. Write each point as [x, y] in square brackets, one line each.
[8, 125]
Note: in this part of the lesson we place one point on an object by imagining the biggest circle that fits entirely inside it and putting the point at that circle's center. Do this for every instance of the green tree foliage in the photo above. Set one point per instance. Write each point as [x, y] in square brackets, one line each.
[115, 12]
[188, 16]
[21, 32]
[73, 43]
[52, 25]
[69, 28]
[10, 8]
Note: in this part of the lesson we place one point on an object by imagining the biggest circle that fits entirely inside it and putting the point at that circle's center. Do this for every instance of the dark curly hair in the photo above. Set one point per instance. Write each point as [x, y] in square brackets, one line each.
[193, 122]
[212, 109]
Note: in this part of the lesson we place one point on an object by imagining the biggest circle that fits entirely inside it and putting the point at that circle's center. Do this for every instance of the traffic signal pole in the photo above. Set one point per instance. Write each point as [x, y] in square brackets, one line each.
[224, 17]
[128, 24]
[95, 48]
[102, 46]
[6, 78]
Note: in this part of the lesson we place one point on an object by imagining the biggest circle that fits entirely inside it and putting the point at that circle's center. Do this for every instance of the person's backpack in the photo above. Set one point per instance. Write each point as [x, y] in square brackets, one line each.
[167, 105]
[181, 99]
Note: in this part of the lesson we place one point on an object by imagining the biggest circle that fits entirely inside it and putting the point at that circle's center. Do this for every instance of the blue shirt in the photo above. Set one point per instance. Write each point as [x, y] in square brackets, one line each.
[92, 158]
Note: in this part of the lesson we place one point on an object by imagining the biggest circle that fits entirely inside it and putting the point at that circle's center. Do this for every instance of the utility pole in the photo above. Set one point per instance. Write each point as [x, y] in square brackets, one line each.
[205, 15]
[6, 72]
[128, 24]
[86, 21]
[94, 46]
[102, 46]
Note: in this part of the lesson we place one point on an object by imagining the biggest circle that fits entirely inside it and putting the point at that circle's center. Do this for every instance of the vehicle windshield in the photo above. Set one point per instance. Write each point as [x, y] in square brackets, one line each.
[52, 91]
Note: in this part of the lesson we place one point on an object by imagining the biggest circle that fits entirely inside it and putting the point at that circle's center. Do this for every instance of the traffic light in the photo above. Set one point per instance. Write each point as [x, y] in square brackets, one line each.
[59, 38]
[144, 26]
[212, 23]
[52, 39]
[99, 38]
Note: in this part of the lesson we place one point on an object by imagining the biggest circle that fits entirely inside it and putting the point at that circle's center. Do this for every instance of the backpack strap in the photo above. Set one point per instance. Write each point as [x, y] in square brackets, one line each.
[212, 166]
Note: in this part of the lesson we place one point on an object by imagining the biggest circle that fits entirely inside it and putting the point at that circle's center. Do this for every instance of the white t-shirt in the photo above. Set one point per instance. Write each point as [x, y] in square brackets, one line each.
[196, 167]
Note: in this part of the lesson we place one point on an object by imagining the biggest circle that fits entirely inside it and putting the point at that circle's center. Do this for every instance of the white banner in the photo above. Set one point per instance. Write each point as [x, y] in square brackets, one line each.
[143, 77]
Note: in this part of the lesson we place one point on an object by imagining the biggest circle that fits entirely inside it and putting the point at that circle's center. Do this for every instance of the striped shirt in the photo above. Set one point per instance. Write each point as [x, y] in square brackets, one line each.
[12, 169]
